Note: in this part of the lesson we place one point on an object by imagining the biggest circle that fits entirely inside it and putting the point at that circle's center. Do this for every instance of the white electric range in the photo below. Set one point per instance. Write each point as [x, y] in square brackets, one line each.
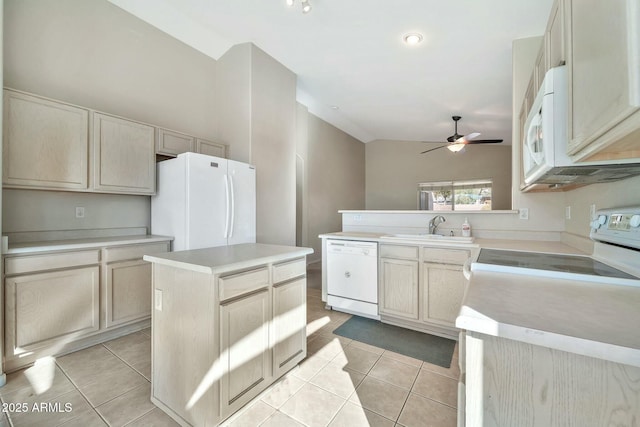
[615, 260]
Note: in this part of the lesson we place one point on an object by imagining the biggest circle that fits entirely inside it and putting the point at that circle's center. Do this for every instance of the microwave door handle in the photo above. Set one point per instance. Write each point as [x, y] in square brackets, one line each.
[531, 132]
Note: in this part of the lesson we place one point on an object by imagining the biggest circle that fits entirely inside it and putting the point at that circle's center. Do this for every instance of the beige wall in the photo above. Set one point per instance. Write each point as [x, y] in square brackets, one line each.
[394, 169]
[273, 148]
[233, 106]
[93, 54]
[34, 210]
[336, 179]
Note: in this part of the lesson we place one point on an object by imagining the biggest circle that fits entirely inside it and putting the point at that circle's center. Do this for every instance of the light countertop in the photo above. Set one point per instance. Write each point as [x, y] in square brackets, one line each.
[523, 245]
[72, 244]
[580, 317]
[223, 259]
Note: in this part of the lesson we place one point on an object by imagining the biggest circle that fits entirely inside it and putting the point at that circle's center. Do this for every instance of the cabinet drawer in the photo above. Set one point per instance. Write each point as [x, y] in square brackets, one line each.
[134, 251]
[447, 256]
[32, 263]
[289, 270]
[395, 251]
[242, 283]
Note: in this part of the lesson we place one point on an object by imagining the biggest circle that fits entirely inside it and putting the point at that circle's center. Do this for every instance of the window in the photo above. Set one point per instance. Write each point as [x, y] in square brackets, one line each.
[455, 195]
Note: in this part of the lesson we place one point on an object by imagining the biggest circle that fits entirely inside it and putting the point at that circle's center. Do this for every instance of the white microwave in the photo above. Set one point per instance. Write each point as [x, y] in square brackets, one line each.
[544, 144]
[545, 130]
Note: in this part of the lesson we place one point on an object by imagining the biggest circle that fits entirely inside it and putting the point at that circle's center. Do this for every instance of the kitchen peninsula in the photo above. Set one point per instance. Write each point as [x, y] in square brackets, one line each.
[227, 322]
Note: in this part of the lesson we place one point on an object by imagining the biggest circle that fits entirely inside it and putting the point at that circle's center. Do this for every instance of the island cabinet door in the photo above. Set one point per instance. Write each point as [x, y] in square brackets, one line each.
[244, 349]
[399, 288]
[289, 325]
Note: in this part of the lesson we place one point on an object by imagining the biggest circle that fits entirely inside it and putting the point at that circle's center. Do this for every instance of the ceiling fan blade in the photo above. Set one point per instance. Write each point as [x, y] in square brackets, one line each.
[471, 136]
[433, 142]
[486, 141]
[442, 146]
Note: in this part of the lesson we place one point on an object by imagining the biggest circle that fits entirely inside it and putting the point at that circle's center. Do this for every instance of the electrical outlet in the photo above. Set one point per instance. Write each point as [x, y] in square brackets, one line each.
[524, 213]
[357, 217]
[567, 212]
[158, 299]
[592, 211]
[79, 212]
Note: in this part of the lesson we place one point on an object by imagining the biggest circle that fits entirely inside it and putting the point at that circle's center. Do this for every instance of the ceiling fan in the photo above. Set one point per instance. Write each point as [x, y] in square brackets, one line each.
[457, 142]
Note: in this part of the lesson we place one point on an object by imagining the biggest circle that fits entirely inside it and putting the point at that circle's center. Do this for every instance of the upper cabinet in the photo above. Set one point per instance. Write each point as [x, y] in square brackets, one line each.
[46, 143]
[124, 156]
[170, 143]
[52, 145]
[211, 148]
[603, 58]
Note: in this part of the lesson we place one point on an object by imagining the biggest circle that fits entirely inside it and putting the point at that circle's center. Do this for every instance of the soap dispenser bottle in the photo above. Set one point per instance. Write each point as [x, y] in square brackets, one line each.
[466, 228]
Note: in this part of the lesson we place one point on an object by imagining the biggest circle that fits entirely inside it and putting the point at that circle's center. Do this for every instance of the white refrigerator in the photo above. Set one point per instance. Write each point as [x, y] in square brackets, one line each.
[204, 201]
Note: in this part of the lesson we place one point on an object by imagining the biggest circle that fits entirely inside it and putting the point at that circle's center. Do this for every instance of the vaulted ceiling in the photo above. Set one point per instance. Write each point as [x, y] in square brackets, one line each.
[353, 68]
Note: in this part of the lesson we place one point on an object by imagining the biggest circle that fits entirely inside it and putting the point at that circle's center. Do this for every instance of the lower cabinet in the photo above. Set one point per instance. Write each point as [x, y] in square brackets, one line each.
[43, 309]
[442, 289]
[289, 319]
[399, 293]
[127, 292]
[422, 287]
[55, 300]
[244, 339]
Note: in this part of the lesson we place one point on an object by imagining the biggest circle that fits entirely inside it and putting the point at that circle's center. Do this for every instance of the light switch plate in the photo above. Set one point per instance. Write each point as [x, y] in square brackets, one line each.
[567, 212]
[79, 212]
[524, 213]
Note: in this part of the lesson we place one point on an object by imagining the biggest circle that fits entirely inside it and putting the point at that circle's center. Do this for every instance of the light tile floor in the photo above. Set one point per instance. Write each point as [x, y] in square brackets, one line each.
[342, 383]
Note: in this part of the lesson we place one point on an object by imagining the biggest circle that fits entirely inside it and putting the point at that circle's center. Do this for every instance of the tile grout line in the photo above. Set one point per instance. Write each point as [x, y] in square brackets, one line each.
[81, 394]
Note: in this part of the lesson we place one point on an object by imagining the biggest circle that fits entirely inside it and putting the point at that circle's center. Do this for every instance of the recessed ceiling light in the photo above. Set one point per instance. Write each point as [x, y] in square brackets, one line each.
[412, 39]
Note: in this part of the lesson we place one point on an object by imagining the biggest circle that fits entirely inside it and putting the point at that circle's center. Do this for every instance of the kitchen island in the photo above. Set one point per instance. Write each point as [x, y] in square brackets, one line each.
[227, 322]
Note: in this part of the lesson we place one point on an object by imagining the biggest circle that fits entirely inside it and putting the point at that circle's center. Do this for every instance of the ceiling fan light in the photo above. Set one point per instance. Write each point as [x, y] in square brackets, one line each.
[290, 3]
[455, 147]
[306, 6]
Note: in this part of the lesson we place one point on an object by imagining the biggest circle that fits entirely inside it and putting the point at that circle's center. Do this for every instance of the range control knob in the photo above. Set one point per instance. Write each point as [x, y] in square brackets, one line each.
[598, 222]
[634, 221]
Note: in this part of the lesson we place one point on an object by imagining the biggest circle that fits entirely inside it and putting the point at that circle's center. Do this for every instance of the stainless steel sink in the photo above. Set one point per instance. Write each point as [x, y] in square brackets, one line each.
[430, 237]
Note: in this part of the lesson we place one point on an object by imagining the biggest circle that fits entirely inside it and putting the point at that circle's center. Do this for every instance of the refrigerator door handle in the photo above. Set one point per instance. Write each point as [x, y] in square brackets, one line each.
[228, 207]
[233, 205]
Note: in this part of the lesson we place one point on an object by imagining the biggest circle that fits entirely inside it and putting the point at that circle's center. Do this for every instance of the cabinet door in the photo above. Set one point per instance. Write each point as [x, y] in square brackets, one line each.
[173, 143]
[211, 148]
[399, 293]
[244, 349]
[124, 156]
[289, 325]
[604, 59]
[45, 143]
[554, 36]
[540, 68]
[127, 292]
[45, 309]
[443, 287]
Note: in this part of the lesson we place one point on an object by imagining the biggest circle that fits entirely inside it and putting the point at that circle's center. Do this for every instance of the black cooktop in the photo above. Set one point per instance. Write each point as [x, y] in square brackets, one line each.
[573, 264]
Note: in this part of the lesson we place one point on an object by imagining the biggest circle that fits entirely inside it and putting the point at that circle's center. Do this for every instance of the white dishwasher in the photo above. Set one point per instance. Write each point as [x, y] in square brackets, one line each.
[352, 277]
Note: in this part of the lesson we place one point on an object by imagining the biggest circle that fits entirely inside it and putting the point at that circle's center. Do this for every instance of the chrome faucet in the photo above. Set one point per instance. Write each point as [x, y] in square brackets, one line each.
[434, 222]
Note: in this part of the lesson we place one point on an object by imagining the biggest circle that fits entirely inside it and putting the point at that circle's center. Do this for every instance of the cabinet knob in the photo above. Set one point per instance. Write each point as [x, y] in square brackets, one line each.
[347, 274]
